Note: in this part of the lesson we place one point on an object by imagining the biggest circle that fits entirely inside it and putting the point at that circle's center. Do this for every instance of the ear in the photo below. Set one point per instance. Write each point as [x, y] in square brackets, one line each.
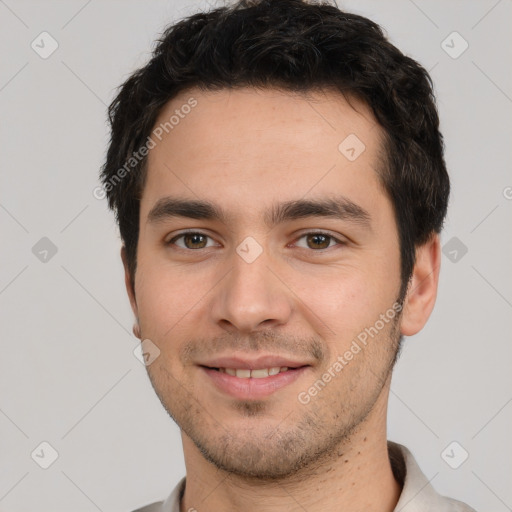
[130, 286]
[422, 291]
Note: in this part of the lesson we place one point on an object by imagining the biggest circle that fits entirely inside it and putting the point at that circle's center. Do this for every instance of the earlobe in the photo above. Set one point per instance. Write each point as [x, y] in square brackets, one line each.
[130, 286]
[422, 290]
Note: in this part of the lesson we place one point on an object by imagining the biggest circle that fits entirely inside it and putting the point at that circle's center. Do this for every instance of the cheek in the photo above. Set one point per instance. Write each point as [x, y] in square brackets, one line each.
[340, 299]
[342, 302]
[166, 299]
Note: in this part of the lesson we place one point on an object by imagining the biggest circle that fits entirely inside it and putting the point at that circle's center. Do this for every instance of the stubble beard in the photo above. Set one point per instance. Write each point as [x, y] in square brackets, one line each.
[292, 448]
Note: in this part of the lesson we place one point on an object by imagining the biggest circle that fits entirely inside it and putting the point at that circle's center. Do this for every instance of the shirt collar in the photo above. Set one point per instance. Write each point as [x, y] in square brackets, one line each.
[417, 494]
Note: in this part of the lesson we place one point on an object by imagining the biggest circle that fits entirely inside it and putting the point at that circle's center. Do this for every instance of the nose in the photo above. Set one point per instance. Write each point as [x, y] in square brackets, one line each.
[251, 297]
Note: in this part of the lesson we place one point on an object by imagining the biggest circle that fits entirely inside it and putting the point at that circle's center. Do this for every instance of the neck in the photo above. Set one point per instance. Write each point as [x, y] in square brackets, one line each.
[357, 476]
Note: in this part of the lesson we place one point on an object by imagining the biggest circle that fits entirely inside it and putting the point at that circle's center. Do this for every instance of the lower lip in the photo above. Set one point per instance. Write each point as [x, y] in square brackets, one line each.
[252, 388]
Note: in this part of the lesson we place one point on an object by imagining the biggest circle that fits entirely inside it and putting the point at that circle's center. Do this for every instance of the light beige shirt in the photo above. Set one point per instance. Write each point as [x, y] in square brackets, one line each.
[417, 494]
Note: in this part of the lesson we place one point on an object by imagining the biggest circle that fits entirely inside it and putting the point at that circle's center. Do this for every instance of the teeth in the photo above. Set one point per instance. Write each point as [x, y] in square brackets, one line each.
[255, 374]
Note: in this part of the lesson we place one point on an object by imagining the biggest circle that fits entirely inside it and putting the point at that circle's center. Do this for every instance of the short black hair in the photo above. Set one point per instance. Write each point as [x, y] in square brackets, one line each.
[296, 46]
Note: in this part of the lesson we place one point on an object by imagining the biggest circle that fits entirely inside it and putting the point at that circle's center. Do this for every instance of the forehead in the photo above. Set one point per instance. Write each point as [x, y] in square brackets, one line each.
[249, 147]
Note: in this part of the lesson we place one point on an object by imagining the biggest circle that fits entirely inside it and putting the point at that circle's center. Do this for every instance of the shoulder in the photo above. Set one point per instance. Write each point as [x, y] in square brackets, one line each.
[457, 506]
[171, 504]
[418, 494]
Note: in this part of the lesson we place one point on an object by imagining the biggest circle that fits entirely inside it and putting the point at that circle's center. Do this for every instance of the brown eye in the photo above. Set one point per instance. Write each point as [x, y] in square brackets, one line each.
[194, 241]
[318, 241]
[191, 241]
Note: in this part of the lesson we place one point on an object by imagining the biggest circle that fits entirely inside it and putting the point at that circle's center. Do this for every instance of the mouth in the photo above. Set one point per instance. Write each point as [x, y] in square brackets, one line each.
[243, 373]
[246, 384]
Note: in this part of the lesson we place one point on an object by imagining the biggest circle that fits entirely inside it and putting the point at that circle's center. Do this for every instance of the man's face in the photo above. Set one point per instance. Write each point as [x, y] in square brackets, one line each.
[299, 285]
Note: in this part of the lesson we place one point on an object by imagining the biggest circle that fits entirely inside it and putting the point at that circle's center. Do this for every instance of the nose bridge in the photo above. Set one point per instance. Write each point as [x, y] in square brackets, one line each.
[251, 294]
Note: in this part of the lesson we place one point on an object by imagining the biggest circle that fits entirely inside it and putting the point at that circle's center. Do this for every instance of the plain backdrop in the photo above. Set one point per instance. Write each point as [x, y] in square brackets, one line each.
[68, 373]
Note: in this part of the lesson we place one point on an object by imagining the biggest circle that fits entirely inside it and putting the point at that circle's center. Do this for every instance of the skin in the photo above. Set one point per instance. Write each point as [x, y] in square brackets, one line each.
[245, 150]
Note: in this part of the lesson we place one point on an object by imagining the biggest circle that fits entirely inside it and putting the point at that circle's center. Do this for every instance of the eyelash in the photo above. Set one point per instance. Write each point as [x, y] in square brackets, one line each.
[323, 233]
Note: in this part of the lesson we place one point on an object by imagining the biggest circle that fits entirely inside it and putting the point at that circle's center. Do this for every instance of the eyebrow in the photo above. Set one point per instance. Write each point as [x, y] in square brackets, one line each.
[340, 208]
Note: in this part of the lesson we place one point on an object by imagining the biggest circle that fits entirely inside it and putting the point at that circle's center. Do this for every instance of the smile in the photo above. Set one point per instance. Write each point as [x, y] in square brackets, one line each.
[245, 384]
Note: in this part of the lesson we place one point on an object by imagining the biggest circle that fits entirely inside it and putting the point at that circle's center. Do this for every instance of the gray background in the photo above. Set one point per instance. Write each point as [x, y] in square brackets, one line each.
[68, 374]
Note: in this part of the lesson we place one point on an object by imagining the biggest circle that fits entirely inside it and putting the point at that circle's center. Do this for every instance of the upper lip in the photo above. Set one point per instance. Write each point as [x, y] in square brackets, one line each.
[244, 363]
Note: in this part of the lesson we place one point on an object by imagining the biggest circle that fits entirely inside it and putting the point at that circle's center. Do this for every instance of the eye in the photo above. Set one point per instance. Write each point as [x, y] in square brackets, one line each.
[192, 240]
[195, 240]
[318, 240]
